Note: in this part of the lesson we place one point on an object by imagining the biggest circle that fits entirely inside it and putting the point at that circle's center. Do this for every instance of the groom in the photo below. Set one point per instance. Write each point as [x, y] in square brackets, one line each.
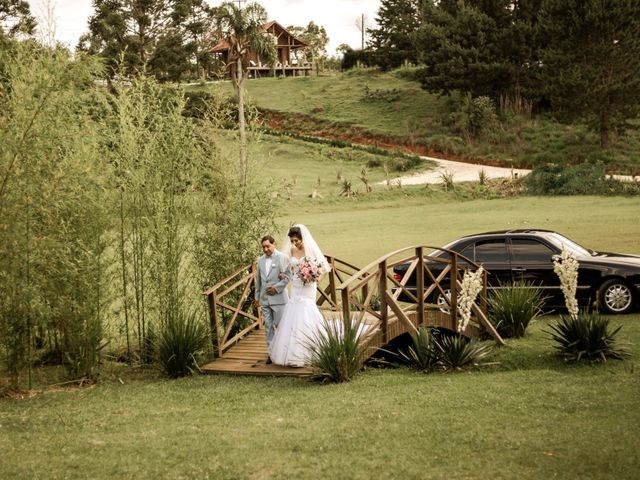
[271, 280]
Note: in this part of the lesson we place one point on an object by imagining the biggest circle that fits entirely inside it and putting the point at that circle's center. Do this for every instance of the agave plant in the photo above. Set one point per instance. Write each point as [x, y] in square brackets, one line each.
[513, 307]
[587, 336]
[456, 352]
[338, 350]
[423, 353]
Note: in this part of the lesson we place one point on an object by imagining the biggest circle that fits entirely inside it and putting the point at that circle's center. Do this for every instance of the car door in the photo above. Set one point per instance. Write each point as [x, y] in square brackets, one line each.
[492, 254]
[531, 262]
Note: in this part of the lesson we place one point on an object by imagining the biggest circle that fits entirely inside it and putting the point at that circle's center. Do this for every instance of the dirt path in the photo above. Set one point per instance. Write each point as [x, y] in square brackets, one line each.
[462, 172]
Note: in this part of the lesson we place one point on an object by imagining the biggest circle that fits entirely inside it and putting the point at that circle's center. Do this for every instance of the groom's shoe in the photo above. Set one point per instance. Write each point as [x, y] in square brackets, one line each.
[268, 362]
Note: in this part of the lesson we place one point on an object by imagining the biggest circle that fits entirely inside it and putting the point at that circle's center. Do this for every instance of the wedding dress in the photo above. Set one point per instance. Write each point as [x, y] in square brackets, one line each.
[299, 324]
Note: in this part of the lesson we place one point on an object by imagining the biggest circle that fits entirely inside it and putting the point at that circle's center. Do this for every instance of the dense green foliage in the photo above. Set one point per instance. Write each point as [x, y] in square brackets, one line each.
[591, 59]
[513, 307]
[587, 337]
[581, 179]
[392, 40]
[115, 212]
[169, 39]
[422, 354]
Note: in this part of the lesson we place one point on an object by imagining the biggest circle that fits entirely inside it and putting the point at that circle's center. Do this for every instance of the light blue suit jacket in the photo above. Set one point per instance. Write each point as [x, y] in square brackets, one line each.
[264, 281]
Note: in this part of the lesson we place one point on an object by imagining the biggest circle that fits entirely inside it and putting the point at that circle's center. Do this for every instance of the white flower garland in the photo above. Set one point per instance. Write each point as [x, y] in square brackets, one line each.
[471, 285]
[566, 267]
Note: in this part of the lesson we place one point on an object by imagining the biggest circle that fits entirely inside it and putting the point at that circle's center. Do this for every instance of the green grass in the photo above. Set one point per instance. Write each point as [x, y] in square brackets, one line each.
[423, 118]
[530, 417]
[362, 229]
[299, 168]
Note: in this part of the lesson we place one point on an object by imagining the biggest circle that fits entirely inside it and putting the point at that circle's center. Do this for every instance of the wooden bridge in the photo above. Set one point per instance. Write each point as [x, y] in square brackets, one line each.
[375, 295]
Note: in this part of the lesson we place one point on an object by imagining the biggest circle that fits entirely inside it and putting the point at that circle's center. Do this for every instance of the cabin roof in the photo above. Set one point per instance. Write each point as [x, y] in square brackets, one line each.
[223, 46]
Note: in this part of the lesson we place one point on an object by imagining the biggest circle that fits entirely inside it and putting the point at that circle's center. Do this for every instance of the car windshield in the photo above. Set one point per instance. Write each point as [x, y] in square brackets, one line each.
[561, 242]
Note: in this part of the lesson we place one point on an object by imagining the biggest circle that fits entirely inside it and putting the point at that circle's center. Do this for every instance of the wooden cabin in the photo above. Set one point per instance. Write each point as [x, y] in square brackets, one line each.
[290, 59]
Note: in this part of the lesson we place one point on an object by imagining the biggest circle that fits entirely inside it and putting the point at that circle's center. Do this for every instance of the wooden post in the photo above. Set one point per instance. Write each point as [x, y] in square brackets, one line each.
[454, 291]
[484, 303]
[346, 310]
[420, 285]
[213, 318]
[384, 311]
[332, 282]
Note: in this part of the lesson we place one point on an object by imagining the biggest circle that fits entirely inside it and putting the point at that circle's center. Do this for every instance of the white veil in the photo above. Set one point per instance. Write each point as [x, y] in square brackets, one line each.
[311, 248]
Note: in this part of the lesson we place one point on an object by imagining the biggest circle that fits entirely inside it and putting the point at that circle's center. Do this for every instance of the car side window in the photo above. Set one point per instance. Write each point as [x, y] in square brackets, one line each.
[468, 251]
[491, 251]
[530, 251]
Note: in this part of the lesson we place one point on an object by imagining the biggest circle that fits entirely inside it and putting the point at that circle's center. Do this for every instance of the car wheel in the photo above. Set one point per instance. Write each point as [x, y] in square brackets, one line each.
[439, 299]
[615, 296]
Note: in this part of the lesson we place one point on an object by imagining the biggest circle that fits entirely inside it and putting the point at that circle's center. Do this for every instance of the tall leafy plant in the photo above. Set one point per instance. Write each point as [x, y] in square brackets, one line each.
[52, 268]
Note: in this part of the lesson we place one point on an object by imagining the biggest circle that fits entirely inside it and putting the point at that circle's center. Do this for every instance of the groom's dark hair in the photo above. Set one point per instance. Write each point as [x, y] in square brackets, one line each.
[295, 232]
[267, 237]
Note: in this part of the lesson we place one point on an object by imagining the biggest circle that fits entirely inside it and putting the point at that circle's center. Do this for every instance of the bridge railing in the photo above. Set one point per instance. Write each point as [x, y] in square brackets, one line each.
[378, 291]
[232, 310]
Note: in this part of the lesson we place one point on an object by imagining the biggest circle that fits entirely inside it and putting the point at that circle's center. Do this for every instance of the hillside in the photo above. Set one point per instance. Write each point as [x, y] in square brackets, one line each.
[391, 110]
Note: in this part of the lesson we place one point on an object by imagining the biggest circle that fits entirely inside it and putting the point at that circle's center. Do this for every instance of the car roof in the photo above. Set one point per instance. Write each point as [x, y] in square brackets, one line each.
[509, 232]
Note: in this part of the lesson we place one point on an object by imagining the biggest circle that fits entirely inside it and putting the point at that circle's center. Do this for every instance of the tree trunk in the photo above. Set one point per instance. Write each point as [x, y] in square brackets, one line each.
[241, 123]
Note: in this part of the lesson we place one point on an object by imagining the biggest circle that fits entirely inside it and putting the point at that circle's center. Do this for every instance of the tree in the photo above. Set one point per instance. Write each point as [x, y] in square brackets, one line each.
[392, 42]
[16, 18]
[482, 47]
[316, 38]
[243, 30]
[591, 62]
[193, 20]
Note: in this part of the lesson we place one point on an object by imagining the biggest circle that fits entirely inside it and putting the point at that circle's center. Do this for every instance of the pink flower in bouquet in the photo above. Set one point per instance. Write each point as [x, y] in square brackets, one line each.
[309, 270]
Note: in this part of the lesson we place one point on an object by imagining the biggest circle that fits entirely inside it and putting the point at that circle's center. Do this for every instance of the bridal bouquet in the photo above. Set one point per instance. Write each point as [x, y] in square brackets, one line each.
[309, 270]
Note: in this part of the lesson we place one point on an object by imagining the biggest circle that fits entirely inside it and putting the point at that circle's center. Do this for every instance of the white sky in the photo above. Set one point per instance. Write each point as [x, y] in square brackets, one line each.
[338, 17]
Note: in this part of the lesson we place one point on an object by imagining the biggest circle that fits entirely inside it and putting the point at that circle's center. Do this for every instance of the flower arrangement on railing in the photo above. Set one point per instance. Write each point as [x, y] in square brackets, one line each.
[471, 286]
[566, 267]
[309, 270]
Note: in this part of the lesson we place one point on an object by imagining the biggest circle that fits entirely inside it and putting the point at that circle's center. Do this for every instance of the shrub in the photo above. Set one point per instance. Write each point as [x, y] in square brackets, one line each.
[513, 307]
[180, 343]
[587, 336]
[582, 179]
[338, 350]
[456, 352]
[422, 354]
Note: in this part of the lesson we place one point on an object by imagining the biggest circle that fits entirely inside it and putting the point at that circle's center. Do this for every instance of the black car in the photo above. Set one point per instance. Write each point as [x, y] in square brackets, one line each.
[612, 279]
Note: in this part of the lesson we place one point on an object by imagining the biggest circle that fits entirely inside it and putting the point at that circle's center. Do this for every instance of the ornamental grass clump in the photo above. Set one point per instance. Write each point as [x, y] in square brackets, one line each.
[180, 343]
[587, 337]
[338, 350]
[513, 307]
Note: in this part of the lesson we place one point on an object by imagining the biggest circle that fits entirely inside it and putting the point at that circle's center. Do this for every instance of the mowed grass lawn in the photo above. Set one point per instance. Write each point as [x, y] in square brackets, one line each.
[528, 416]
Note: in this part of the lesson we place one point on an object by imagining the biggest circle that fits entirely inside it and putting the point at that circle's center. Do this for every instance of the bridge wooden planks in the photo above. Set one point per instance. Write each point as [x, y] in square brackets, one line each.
[249, 355]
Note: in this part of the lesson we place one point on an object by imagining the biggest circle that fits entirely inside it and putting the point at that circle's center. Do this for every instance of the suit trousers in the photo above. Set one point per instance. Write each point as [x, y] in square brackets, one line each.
[271, 315]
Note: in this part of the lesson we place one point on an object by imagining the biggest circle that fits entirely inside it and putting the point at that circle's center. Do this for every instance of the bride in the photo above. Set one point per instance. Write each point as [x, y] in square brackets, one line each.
[301, 318]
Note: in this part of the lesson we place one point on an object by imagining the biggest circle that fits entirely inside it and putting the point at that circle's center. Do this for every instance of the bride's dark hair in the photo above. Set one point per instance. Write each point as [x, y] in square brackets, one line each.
[295, 232]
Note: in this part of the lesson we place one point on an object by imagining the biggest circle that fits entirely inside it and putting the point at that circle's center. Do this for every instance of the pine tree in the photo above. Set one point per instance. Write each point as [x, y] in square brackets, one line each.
[591, 61]
[16, 18]
[392, 42]
[481, 47]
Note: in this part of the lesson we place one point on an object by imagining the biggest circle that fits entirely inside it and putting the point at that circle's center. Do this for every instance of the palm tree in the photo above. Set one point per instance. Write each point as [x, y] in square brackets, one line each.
[242, 29]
